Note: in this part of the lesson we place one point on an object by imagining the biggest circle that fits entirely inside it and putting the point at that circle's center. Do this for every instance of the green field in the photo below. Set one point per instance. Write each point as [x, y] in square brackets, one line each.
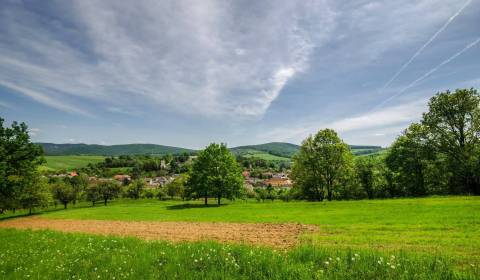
[445, 225]
[437, 237]
[69, 162]
[263, 155]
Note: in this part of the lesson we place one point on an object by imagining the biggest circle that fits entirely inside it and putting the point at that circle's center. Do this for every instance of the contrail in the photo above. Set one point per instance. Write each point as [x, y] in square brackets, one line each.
[425, 45]
[426, 75]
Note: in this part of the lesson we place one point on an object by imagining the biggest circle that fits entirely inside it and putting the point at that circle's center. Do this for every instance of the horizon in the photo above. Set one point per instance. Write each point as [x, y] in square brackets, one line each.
[187, 74]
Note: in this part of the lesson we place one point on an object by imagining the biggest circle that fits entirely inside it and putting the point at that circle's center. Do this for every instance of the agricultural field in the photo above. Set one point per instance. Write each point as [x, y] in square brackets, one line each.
[437, 237]
[69, 162]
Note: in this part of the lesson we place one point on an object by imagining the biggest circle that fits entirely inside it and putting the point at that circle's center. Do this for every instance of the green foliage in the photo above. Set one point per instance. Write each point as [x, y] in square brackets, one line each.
[93, 193]
[322, 164]
[134, 190]
[62, 192]
[215, 173]
[108, 190]
[440, 154]
[19, 160]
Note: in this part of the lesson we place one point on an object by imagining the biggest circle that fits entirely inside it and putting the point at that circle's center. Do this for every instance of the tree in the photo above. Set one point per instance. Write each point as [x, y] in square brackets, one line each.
[33, 194]
[93, 193]
[320, 165]
[63, 192]
[453, 124]
[216, 173]
[79, 183]
[108, 190]
[408, 158]
[135, 189]
[364, 168]
[19, 159]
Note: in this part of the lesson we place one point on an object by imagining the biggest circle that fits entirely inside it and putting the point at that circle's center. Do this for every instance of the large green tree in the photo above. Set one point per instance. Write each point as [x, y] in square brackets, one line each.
[453, 123]
[321, 164]
[19, 160]
[215, 173]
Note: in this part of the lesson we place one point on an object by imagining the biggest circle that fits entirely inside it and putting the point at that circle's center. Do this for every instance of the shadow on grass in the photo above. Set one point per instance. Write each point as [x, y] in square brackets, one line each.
[193, 206]
[24, 213]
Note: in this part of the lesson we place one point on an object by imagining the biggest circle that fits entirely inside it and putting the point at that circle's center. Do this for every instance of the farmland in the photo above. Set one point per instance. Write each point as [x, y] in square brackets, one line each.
[69, 162]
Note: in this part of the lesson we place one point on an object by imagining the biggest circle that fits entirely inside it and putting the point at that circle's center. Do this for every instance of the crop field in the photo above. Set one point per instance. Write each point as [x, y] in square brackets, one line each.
[69, 162]
[401, 238]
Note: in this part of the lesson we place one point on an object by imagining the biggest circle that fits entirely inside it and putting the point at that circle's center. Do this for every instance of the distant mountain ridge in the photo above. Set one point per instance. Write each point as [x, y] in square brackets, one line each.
[52, 149]
[280, 149]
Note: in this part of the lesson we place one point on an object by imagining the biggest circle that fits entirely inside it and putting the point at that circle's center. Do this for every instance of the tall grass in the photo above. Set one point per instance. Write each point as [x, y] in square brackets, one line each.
[52, 255]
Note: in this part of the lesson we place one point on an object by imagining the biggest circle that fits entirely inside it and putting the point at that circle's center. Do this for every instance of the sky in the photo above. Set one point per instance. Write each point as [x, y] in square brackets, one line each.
[188, 73]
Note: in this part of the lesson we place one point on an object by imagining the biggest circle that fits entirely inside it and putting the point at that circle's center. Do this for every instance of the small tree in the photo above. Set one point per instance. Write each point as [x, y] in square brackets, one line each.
[135, 189]
[62, 192]
[34, 194]
[93, 193]
[108, 190]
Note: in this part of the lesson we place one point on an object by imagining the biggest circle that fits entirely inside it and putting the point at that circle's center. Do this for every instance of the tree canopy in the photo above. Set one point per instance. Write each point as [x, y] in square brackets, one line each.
[215, 173]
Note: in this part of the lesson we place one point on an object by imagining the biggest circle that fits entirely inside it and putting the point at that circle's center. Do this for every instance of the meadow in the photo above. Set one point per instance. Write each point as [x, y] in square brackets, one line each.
[69, 163]
[51, 255]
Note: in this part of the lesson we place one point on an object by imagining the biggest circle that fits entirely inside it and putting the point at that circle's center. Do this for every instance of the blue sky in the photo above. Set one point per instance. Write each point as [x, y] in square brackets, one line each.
[186, 73]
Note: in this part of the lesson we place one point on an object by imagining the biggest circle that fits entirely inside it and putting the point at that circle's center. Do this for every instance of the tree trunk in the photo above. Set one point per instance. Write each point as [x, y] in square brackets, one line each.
[30, 211]
[65, 205]
[106, 201]
[206, 200]
[13, 210]
[93, 203]
[219, 200]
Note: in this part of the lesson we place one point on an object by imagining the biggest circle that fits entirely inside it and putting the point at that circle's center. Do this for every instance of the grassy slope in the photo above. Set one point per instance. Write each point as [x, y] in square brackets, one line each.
[69, 162]
[447, 225]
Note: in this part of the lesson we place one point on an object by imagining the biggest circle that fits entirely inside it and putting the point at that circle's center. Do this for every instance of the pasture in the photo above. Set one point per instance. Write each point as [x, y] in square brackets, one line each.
[69, 162]
[429, 238]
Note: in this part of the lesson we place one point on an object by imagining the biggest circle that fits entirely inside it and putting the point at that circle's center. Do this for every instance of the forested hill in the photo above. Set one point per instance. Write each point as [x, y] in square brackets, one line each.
[114, 150]
[280, 149]
[288, 150]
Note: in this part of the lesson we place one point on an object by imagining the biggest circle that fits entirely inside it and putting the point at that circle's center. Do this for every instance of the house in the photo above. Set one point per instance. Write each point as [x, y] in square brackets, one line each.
[246, 174]
[122, 177]
[278, 182]
[73, 174]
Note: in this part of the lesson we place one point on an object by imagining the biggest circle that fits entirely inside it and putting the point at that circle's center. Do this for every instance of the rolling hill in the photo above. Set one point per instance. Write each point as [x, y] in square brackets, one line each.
[114, 150]
[268, 151]
[287, 150]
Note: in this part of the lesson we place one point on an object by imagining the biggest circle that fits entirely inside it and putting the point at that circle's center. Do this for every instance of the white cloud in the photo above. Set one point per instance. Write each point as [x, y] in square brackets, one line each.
[209, 58]
[34, 131]
[389, 119]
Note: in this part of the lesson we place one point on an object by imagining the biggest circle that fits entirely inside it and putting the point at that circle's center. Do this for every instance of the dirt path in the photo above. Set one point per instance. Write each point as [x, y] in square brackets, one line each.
[274, 235]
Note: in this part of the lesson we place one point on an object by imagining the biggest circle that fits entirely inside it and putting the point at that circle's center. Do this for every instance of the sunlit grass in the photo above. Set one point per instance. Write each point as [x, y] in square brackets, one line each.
[50, 255]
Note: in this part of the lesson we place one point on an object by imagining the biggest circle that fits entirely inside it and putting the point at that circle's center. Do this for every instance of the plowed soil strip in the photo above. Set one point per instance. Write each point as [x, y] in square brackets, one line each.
[274, 235]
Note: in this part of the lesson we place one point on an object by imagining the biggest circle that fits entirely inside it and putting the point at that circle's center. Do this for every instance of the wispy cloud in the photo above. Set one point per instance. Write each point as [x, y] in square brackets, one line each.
[45, 99]
[208, 58]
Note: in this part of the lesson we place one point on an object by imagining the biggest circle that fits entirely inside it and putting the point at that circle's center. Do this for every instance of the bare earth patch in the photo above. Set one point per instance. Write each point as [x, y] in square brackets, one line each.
[274, 235]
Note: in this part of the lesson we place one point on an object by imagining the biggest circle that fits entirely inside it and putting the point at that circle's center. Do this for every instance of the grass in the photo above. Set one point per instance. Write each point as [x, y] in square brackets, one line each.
[447, 225]
[69, 162]
[420, 232]
[263, 155]
[51, 255]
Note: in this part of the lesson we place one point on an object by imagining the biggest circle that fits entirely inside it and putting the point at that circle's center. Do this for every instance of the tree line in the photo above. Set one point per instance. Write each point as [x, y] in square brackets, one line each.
[438, 155]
